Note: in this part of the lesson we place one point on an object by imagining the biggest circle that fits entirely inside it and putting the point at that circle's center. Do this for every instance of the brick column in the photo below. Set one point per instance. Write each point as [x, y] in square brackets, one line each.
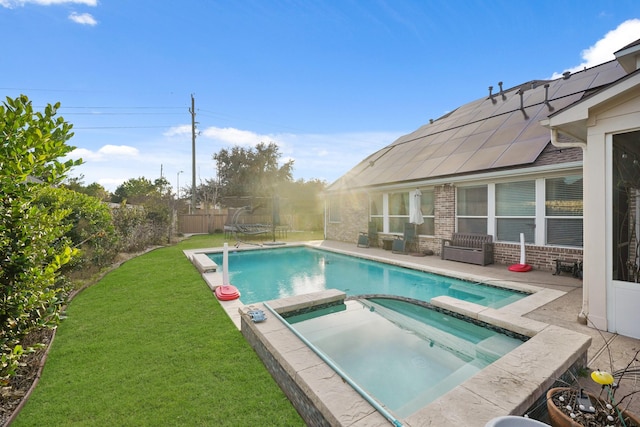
[444, 211]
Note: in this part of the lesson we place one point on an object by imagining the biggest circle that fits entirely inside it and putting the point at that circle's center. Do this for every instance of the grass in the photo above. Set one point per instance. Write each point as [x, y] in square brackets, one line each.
[149, 345]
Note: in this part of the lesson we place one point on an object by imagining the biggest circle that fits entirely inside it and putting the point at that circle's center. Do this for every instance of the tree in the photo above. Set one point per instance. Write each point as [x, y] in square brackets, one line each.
[154, 198]
[135, 191]
[251, 172]
[32, 243]
[207, 193]
[94, 190]
[98, 191]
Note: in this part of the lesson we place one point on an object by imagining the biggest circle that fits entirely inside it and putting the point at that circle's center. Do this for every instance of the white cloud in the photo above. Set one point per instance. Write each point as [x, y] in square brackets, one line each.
[178, 131]
[602, 51]
[105, 153]
[83, 18]
[235, 136]
[118, 150]
[13, 3]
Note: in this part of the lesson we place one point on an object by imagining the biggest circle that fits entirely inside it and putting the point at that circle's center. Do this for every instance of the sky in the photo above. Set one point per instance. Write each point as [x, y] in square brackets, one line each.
[330, 82]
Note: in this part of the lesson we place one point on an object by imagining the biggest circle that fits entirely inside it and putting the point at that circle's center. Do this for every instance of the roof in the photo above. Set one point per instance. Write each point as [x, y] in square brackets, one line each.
[628, 56]
[572, 120]
[497, 131]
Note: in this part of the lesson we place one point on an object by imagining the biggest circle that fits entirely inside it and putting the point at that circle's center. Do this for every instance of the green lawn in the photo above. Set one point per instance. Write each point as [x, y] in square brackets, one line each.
[149, 345]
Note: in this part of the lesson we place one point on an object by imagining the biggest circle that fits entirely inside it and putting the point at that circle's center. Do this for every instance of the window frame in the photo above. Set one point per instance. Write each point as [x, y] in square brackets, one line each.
[379, 218]
[335, 209]
[385, 218]
[541, 227]
[429, 218]
[465, 217]
[548, 217]
[530, 237]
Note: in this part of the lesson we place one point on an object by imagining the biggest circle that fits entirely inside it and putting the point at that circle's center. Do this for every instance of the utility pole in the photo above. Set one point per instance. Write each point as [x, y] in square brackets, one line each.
[193, 154]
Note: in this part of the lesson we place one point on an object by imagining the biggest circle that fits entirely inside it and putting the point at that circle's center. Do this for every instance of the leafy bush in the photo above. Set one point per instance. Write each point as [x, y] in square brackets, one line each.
[129, 222]
[136, 228]
[146, 220]
[91, 226]
[33, 246]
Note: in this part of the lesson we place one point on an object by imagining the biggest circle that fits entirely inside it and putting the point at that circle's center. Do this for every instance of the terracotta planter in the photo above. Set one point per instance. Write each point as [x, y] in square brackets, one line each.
[559, 419]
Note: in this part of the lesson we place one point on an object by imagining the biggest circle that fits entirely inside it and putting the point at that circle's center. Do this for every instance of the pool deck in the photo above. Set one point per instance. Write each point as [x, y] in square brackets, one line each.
[549, 316]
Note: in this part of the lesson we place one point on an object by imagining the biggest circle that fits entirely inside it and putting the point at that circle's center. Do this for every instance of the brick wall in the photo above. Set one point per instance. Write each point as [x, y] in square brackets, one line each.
[539, 257]
[355, 216]
[353, 219]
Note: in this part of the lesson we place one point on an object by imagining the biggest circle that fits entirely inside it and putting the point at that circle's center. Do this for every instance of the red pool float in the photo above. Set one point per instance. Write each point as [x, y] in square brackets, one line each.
[227, 293]
[520, 268]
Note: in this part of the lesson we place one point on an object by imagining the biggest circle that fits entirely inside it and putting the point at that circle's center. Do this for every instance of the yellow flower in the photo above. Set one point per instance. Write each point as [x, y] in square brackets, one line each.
[602, 377]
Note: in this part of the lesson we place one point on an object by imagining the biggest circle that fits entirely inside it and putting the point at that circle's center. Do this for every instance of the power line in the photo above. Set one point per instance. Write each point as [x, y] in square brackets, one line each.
[119, 127]
[98, 114]
[118, 108]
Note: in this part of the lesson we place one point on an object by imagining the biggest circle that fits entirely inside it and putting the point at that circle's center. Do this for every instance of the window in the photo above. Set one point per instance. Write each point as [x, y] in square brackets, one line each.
[398, 211]
[376, 210]
[426, 206]
[516, 211]
[563, 210]
[471, 208]
[334, 209]
[625, 207]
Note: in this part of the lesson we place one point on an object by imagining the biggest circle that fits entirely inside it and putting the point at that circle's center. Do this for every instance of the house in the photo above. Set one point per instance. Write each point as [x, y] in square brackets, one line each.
[556, 160]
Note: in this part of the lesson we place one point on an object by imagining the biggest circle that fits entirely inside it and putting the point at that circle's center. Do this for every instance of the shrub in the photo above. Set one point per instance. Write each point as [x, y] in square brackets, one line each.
[91, 226]
[134, 229]
[33, 246]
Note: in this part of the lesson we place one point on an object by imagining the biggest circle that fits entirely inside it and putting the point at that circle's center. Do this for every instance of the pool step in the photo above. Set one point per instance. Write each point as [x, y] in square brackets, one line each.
[440, 389]
[442, 338]
[493, 348]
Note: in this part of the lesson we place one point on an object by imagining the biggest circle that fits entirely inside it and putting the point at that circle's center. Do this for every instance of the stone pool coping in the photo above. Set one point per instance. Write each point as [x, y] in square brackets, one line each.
[511, 385]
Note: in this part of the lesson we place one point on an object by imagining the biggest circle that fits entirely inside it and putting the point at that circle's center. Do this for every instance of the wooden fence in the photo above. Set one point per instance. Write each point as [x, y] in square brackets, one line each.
[210, 222]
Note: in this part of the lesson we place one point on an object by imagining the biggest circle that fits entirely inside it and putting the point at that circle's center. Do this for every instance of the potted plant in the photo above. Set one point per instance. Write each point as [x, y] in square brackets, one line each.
[575, 407]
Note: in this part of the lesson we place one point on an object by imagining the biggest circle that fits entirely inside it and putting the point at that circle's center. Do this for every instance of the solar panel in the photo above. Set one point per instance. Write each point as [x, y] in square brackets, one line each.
[480, 135]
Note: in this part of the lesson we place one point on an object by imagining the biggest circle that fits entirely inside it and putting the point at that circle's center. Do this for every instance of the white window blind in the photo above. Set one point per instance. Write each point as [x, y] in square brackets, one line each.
[564, 210]
[515, 211]
[471, 209]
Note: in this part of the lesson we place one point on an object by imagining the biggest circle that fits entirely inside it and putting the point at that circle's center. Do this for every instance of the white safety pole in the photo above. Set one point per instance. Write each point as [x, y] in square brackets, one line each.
[225, 264]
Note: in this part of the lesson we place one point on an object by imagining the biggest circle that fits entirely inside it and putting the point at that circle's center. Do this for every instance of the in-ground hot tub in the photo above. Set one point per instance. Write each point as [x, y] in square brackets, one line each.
[509, 385]
[403, 353]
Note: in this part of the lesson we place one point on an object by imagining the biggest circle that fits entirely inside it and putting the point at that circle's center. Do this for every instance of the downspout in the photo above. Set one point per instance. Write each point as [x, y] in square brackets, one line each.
[584, 311]
[573, 144]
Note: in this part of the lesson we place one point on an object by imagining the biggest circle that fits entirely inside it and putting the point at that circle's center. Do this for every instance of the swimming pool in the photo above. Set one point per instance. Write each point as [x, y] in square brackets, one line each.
[268, 274]
[511, 384]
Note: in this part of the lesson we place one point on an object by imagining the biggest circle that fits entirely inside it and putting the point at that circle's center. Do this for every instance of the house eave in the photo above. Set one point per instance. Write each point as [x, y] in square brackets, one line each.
[574, 120]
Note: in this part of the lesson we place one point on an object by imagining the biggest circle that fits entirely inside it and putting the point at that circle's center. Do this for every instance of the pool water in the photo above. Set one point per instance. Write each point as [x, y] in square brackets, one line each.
[404, 355]
[268, 274]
